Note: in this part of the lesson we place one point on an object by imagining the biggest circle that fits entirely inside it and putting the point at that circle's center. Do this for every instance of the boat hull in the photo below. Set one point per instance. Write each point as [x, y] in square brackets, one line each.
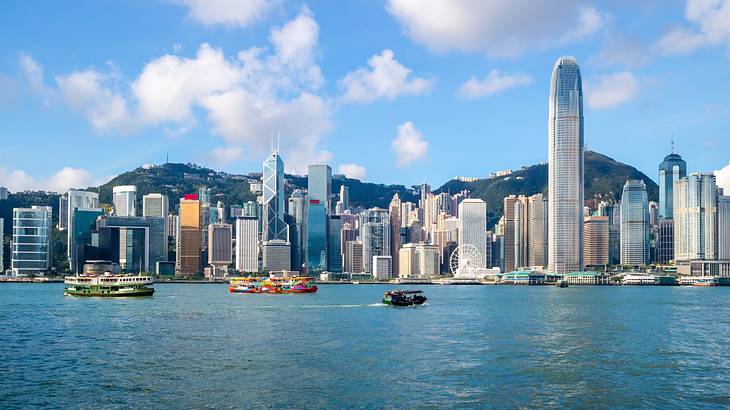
[112, 294]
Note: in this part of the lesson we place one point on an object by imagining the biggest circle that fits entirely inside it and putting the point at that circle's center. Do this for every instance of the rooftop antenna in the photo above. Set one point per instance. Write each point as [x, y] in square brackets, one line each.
[278, 140]
[672, 145]
[272, 140]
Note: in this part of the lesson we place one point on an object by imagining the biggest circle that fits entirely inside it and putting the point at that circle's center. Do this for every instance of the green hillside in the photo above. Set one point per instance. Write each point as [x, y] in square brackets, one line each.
[604, 179]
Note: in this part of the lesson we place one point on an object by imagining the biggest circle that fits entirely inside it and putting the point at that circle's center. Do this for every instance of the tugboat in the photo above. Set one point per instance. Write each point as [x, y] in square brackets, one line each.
[404, 298]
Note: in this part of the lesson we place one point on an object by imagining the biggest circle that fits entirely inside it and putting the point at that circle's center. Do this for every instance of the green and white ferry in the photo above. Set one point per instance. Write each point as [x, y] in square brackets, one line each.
[108, 285]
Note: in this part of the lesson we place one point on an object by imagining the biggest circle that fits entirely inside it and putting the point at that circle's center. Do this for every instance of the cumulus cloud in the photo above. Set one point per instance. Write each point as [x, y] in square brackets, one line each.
[32, 71]
[386, 79]
[409, 146]
[723, 178]
[239, 13]
[710, 24]
[353, 171]
[243, 97]
[493, 83]
[497, 27]
[611, 90]
[63, 179]
[87, 93]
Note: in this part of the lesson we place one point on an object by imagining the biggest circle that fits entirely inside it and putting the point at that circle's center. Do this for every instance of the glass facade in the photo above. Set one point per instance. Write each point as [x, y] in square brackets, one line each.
[275, 228]
[319, 184]
[316, 251]
[671, 170]
[634, 224]
[31, 246]
[565, 168]
[334, 244]
[84, 222]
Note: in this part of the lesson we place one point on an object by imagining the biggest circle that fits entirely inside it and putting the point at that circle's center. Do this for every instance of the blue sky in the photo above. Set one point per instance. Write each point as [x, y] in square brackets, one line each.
[396, 91]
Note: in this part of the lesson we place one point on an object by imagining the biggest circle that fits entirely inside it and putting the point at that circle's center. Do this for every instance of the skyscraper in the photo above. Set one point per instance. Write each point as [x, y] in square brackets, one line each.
[565, 168]
[76, 200]
[247, 244]
[634, 224]
[334, 244]
[125, 200]
[316, 233]
[596, 237]
[31, 247]
[319, 185]
[190, 236]
[220, 246]
[695, 218]
[473, 227]
[723, 228]
[345, 197]
[275, 228]
[374, 235]
[156, 206]
[296, 221]
[394, 211]
[671, 170]
[353, 257]
[537, 230]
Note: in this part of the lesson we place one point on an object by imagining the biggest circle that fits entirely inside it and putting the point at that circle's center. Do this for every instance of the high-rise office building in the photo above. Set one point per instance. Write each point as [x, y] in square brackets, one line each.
[634, 224]
[653, 213]
[419, 260]
[334, 244]
[515, 232]
[345, 197]
[596, 240]
[695, 218]
[275, 228]
[537, 216]
[75, 200]
[157, 206]
[63, 211]
[189, 238]
[247, 244]
[606, 209]
[125, 200]
[319, 185]
[473, 227]
[83, 223]
[665, 241]
[31, 250]
[671, 170]
[382, 267]
[723, 228]
[220, 245]
[565, 168]
[374, 235]
[296, 221]
[353, 257]
[316, 233]
[276, 256]
[395, 243]
[135, 243]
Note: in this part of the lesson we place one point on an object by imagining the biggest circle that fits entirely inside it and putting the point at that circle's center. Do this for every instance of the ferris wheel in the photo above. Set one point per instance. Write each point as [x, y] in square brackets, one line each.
[465, 259]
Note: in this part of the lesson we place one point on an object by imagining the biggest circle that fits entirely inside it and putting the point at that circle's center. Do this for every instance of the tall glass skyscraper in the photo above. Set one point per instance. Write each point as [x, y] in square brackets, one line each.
[319, 184]
[565, 168]
[275, 228]
[125, 200]
[634, 224]
[31, 246]
[316, 252]
[671, 170]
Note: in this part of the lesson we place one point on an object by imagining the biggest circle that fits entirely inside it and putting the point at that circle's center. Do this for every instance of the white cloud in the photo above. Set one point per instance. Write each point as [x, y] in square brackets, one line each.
[409, 145]
[63, 179]
[87, 93]
[679, 41]
[227, 12]
[623, 50]
[497, 27]
[386, 78]
[353, 171]
[225, 156]
[723, 178]
[711, 25]
[493, 83]
[611, 90]
[32, 71]
[244, 97]
[67, 178]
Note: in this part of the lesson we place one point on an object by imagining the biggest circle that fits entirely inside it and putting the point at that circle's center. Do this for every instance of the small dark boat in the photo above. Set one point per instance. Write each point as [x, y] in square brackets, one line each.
[561, 284]
[404, 298]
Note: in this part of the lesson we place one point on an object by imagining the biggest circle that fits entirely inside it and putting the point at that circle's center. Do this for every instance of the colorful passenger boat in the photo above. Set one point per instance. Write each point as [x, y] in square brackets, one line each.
[301, 284]
[108, 285]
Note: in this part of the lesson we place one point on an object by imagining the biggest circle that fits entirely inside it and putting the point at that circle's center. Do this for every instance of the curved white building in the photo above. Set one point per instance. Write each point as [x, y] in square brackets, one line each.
[565, 168]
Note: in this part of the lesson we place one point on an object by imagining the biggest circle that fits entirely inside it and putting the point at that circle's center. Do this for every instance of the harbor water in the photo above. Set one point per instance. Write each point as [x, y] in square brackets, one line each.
[198, 346]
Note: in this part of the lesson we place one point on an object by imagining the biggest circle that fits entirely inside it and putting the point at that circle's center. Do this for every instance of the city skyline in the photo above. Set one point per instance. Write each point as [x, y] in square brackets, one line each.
[492, 98]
